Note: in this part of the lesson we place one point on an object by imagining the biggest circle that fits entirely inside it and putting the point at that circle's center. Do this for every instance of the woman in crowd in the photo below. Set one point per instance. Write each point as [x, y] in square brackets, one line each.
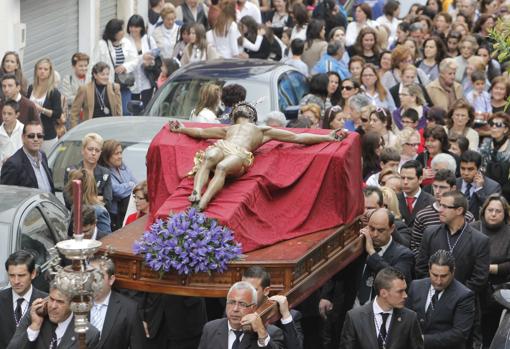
[146, 49]
[371, 147]
[123, 181]
[434, 6]
[167, 34]
[452, 44]
[500, 90]
[390, 178]
[391, 13]
[494, 219]
[182, 42]
[380, 122]
[362, 19]
[141, 196]
[11, 64]
[318, 92]
[334, 93]
[223, 36]
[384, 63]
[47, 100]
[279, 18]
[208, 103]
[315, 44]
[198, 49]
[433, 54]
[348, 88]
[409, 141]
[98, 98]
[442, 24]
[168, 67]
[89, 197]
[355, 66]
[78, 77]
[119, 53]
[411, 97]
[483, 26]
[400, 58]
[258, 43]
[414, 48]
[367, 46]
[312, 112]
[11, 131]
[459, 121]
[493, 66]
[300, 17]
[333, 118]
[374, 89]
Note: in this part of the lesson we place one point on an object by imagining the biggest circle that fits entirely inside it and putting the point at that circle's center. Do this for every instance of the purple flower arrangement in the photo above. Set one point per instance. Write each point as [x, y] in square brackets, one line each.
[188, 242]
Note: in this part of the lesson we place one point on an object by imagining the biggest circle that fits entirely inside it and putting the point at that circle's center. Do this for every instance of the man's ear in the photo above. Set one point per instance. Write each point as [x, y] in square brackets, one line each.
[267, 290]
[454, 187]
[111, 280]
[33, 274]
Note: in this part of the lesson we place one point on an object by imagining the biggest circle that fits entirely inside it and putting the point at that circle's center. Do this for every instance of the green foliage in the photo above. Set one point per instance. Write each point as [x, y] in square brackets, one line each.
[501, 38]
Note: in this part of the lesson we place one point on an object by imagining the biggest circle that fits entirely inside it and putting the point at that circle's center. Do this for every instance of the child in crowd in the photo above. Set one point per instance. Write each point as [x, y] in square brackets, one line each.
[297, 46]
[168, 67]
[478, 97]
[458, 144]
[410, 118]
[11, 131]
[356, 66]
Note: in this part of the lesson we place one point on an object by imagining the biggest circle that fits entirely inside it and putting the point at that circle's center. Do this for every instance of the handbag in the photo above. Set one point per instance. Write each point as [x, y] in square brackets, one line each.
[124, 79]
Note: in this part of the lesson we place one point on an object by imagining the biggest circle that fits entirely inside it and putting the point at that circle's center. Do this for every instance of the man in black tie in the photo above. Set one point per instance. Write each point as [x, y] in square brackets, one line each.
[473, 183]
[16, 300]
[445, 307]
[229, 332]
[54, 330]
[384, 323]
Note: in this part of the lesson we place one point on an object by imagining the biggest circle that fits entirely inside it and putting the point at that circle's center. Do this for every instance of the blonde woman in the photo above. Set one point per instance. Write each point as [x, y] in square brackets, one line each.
[166, 35]
[409, 141]
[209, 100]
[312, 112]
[90, 197]
[47, 100]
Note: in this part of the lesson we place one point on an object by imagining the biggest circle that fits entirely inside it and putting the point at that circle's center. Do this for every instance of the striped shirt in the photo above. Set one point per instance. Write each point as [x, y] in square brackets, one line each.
[428, 216]
[119, 55]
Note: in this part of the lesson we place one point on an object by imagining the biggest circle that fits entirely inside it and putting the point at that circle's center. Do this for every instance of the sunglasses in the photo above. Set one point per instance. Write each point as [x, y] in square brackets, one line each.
[348, 88]
[34, 135]
[498, 124]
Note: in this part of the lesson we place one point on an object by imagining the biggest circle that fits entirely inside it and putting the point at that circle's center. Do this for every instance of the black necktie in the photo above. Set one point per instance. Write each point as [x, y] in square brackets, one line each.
[18, 313]
[53, 342]
[237, 342]
[468, 190]
[432, 305]
[381, 339]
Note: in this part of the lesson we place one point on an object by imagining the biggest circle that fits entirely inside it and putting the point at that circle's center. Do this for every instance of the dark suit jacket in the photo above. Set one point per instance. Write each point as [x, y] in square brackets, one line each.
[450, 323]
[471, 254]
[8, 326]
[293, 331]
[359, 330]
[17, 170]
[123, 326]
[479, 197]
[424, 199]
[68, 341]
[215, 336]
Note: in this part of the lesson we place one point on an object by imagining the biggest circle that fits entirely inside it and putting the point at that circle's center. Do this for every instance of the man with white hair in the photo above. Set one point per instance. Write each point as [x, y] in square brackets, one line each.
[230, 332]
[276, 119]
[444, 161]
[444, 91]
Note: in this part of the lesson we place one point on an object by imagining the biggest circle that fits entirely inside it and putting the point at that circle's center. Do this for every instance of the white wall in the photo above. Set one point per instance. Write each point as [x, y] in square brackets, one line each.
[9, 17]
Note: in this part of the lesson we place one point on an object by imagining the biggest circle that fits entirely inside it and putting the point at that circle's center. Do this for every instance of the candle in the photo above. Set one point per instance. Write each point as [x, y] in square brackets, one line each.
[77, 206]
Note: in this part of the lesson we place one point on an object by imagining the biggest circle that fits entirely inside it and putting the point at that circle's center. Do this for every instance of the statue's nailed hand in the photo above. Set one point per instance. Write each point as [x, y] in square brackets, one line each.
[339, 134]
[175, 125]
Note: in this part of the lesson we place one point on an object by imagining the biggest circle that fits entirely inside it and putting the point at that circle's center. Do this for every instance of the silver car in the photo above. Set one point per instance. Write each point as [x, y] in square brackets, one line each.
[30, 220]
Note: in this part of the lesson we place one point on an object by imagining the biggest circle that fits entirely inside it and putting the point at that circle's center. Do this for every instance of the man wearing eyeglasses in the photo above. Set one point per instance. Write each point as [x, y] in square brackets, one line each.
[28, 167]
[231, 332]
[469, 247]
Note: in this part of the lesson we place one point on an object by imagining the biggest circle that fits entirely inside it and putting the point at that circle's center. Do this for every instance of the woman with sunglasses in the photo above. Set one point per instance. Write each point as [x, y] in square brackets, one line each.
[373, 88]
[409, 141]
[496, 148]
[459, 121]
[380, 122]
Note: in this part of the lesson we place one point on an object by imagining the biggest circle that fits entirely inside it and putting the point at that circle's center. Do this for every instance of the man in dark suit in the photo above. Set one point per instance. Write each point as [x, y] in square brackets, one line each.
[469, 247]
[445, 307]
[473, 183]
[16, 300]
[228, 332]
[412, 199]
[290, 320]
[54, 330]
[114, 315]
[384, 322]
[28, 167]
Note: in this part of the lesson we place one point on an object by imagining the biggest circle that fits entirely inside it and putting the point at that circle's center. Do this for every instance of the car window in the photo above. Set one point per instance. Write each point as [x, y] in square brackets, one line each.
[34, 235]
[286, 96]
[58, 219]
[299, 84]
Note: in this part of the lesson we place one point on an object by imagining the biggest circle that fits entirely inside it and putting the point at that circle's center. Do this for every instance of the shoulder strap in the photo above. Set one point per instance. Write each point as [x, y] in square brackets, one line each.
[109, 53]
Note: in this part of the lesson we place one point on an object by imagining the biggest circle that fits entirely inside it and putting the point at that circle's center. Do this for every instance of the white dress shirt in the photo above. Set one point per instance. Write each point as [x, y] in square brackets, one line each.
[378, 317]
[60, 331]
[98, 312]
[232, 337]
[9, 144]
[26, 302]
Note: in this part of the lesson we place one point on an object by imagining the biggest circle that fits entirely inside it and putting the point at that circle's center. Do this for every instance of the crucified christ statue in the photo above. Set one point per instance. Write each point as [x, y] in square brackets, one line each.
[232, 155]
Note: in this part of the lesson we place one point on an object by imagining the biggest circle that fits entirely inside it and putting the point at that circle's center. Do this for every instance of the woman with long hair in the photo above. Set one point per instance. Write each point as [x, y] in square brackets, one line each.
[384, 62]
[318, 93]
[254, 40]
[433, 53]
[380, 121]
[493, 66]
[362, 19]
[348, 88]
[47, 100]
[223, 36]
[411, 97]
[371, 147]
[334, 93]
[120, 55]
[11, 64]
[333, 118]
[315, 44]
[367, 46]
[198, 49]
[401, 57]
[90, 197]
[300, 17]
[374, 89]
[123, 181]
[459, 121]
[208, 103]
[98, 98]
[146, 49]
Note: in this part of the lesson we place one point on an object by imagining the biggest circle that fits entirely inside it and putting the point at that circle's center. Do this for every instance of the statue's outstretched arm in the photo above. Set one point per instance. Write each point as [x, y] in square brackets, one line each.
[197, 132]
[302, 138]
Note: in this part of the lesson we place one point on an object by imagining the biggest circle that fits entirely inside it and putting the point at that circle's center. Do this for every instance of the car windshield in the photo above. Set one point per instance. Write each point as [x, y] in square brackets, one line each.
[178, 98]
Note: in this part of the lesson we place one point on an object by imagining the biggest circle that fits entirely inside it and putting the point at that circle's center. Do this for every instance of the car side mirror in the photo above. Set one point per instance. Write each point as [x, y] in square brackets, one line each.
[135, 107]
[292, 112]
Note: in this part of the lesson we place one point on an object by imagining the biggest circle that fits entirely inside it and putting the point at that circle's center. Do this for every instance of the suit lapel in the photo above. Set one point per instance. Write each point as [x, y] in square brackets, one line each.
[8, 306]
[111, 314]
[397, 319]
[30, 171]
[69, 337]
[368, 321]
[222, 334]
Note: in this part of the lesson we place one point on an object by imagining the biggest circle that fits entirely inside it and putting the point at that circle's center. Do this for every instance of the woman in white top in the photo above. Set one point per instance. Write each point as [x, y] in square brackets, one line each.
[300, 16]
[198, 49]
[362, 18]
[380, 121]
[374, 90]
[225, 33]
[208, 102]
[11, 131]
[167, 34]
[120, 55]
[146, 50]
[391, 11]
